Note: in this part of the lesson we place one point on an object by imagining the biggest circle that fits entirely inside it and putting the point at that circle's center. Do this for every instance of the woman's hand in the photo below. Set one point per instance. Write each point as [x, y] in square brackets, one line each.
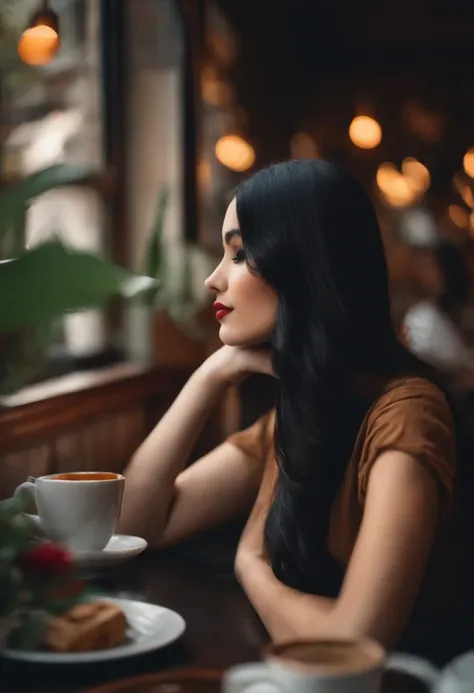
[232, 365]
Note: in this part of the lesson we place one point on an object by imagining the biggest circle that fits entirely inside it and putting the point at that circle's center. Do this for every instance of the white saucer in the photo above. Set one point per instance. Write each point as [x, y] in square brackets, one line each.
[151, 627]
[120, 548]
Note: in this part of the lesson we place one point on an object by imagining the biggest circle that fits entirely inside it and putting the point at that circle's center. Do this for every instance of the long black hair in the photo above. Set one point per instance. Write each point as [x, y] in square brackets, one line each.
[310, 230]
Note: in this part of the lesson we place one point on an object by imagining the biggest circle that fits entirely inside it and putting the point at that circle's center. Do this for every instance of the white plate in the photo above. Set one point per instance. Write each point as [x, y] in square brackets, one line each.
[120, 548]
[151, 627]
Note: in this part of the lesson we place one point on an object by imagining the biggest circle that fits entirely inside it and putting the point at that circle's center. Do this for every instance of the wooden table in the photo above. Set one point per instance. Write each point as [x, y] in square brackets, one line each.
[222, 628]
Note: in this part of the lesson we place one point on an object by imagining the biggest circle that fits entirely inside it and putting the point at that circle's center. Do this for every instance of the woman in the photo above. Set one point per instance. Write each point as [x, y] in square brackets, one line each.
[352, 478]
[433, 325]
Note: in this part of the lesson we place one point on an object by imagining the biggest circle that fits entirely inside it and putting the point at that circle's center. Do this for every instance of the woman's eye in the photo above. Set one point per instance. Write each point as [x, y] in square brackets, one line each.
[239, 256]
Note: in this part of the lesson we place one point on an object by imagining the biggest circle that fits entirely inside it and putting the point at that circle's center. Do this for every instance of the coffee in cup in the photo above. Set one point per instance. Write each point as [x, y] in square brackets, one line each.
[329, 657]
[324, 666]
[78, 509]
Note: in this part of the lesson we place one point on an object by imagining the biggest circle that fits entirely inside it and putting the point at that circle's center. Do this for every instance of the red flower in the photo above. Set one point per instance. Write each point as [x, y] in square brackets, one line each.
[46, 558]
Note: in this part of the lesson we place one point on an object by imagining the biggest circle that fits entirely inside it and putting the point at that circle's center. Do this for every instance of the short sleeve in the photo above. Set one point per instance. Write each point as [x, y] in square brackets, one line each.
[415, 419]
[256, 440]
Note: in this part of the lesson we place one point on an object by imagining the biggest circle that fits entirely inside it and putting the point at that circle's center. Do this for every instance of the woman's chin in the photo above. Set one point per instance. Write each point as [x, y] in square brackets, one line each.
[244, 341]
[233, 341]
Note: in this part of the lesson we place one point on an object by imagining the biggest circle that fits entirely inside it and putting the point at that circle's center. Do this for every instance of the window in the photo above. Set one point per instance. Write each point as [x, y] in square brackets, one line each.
[53, 114]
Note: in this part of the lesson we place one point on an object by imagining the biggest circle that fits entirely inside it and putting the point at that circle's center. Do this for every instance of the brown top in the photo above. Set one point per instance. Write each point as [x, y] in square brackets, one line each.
[413, 416]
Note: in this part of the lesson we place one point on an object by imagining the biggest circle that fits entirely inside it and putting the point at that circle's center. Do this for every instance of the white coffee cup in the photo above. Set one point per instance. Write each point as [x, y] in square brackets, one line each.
[322, 666]
[79, 509]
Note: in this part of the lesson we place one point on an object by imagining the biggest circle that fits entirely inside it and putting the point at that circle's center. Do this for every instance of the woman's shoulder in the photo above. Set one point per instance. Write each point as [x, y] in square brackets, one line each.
[401, 394]
[411, 415]
[414, 403]
[409, 387]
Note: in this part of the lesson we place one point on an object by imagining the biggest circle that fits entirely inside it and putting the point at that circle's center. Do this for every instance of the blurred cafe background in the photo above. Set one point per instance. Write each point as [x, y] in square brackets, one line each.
[171, 103]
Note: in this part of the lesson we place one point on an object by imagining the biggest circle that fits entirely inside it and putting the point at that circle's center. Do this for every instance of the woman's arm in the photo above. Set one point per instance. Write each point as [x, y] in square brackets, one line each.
[385, 571]
[162, 502]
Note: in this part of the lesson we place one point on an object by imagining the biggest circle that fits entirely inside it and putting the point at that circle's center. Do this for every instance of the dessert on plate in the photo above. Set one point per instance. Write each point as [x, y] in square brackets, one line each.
[87, 627]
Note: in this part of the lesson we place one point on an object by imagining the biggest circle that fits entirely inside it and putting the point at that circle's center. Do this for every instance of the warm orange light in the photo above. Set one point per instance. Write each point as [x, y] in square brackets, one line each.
[467, 196]
[365, 132]
[38, 45]
[235, 153]
[397, 189]
[386, 177]
[403, 188]
[458, 216]
[468, 162]
[417, 173]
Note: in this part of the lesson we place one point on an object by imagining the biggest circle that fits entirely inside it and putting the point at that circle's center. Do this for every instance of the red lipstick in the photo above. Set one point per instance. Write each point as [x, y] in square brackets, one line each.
[221, 310]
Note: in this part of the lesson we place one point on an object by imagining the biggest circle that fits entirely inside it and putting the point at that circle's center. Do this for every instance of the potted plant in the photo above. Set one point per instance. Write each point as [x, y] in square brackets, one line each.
[41, 283]
[159, 319]
[38, 580]
[140, 312]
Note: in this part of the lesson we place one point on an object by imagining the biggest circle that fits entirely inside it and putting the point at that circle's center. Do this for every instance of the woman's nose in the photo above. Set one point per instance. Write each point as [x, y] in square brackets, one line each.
[215, 281]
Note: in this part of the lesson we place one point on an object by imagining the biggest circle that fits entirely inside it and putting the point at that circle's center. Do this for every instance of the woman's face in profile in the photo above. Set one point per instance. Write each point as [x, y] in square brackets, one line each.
[245, 304]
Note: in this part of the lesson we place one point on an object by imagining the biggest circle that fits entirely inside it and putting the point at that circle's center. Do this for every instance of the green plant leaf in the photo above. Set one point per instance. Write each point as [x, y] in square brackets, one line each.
[154, 262]
[153, 257]
[12, 506]
[15, 538]
[48, 178]
[28, 636]
[52, 279]
[15, 200]
[19, 230]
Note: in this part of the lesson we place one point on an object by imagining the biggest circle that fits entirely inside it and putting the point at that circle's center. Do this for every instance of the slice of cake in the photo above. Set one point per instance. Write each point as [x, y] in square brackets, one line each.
[97, 625]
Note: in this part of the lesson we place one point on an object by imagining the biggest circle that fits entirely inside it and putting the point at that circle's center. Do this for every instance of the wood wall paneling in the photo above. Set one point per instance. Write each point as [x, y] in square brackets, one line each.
[98, 427]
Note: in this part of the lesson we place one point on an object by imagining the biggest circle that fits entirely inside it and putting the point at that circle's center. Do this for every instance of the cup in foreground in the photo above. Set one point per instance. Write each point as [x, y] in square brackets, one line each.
[323, 666]
[77, 509]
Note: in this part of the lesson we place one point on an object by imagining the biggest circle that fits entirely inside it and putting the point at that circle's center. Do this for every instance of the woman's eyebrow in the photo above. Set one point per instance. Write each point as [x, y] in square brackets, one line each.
[229, 235]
